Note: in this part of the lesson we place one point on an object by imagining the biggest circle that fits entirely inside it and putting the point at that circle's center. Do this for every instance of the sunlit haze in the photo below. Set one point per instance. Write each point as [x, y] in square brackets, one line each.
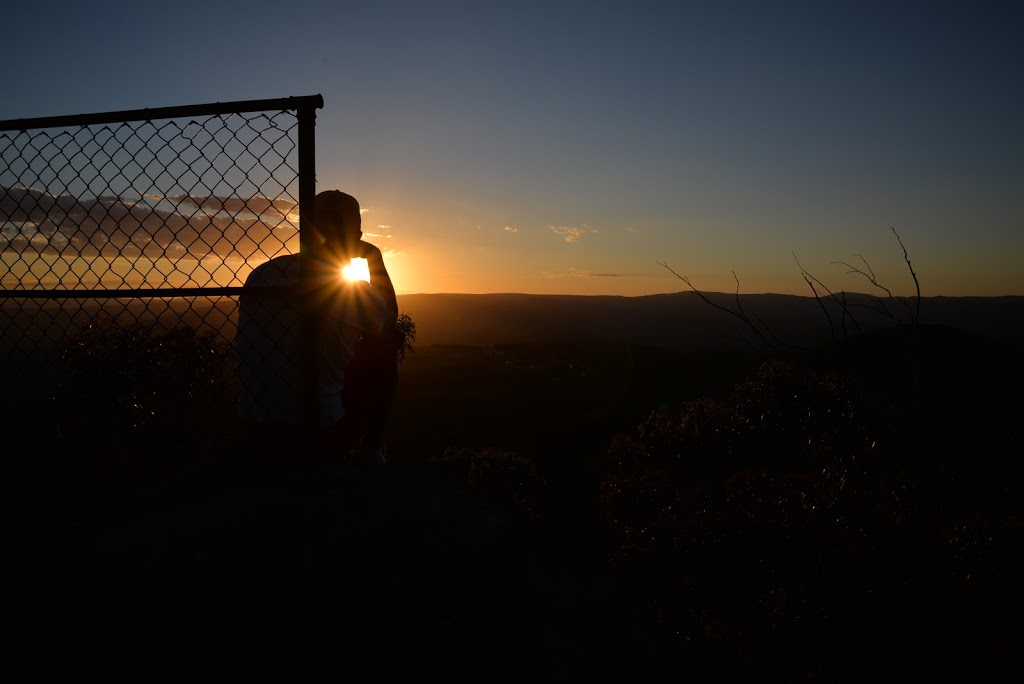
[570, 147]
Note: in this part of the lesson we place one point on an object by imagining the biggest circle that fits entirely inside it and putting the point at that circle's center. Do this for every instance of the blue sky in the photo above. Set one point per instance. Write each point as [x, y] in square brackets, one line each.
[567, 147]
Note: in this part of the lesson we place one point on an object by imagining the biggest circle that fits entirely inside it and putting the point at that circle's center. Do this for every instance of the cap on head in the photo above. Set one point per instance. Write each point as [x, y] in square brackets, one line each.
[337, 216]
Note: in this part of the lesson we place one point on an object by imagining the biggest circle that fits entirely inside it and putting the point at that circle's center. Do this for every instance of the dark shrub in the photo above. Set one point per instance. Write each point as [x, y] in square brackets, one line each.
[747, 518]
[502, 476]
[125, 381]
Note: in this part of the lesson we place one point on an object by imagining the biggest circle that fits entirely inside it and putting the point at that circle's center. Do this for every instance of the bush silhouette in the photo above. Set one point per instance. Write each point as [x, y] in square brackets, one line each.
[502, 476]
[779, 522]
[142, 376]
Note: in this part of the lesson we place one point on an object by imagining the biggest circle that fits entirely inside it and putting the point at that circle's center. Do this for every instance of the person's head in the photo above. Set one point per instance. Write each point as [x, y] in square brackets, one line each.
[338, 220]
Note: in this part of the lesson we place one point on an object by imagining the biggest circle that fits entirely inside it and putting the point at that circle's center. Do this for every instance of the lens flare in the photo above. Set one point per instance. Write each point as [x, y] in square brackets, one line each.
[356, 269]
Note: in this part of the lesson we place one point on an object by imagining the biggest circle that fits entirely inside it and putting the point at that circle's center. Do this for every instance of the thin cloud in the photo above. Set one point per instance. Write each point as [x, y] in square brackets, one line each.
[510, 229]
[570, 234]
[110, 226]
[584, 273]
[258, 205]
[385, 232]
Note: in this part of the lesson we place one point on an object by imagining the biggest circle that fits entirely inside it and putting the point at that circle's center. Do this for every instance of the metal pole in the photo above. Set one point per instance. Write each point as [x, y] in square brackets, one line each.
[307, 102]
[310, 386]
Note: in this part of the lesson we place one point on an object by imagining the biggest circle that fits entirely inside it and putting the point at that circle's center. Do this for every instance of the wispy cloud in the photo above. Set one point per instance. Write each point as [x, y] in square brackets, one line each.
[570, 234]
[385, 232]
[510, 229]
[584, 273]
[257, 205]
[153, 226]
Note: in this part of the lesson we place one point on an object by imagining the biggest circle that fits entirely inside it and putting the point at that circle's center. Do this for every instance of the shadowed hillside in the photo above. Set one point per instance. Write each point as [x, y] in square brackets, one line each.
[677, 320]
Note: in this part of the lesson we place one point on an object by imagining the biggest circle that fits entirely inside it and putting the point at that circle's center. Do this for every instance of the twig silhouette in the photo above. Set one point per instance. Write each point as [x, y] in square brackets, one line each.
[869, 274]
[878, 307]
[739, 304]
[841, 302]
[817, 298]
[756, 325]
[846, 313]
[738, 314]
[917, 285]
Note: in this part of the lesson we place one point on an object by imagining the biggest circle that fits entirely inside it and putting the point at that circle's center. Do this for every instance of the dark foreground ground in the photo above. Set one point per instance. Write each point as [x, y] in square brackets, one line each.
[582, 512]
[325, 575]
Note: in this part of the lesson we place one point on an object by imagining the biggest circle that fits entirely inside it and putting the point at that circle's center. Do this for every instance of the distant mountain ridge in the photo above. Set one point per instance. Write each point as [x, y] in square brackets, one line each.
[682, 320]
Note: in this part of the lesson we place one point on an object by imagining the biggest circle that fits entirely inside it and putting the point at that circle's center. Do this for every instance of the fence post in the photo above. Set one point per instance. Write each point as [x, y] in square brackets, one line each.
[310, 332]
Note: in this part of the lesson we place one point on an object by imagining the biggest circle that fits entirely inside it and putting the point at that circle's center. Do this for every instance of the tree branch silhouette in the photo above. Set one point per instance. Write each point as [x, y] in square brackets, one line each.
[740, 314]
[917, 285]
[841, 302]
[868, 273]
[824, 309]
[758, 327]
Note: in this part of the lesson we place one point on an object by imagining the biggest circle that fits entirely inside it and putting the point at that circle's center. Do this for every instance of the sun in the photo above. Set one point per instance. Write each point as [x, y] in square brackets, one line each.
[356, 269]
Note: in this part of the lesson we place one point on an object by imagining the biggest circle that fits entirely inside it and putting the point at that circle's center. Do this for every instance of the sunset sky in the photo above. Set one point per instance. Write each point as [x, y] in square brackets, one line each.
[568, 147]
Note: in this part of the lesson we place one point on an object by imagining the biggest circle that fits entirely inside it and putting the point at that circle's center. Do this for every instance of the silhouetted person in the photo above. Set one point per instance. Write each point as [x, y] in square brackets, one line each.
[357, 362]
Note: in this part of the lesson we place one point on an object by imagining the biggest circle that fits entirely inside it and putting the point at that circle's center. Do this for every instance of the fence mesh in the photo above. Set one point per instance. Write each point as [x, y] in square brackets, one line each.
[123, 248]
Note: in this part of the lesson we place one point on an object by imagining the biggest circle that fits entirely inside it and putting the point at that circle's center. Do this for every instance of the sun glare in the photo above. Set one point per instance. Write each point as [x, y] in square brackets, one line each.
[356, 269]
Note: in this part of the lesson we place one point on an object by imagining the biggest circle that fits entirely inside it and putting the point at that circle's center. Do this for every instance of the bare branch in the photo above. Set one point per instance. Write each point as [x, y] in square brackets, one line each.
[846, 312]
[869, 274]
[871, 278]
[698, 292]
[738, 314]
[870, 270]
[906, 257]
[817, 298]
[879, 308]
[739, 305]
[855, 321]
[841, 302]
[807, 275]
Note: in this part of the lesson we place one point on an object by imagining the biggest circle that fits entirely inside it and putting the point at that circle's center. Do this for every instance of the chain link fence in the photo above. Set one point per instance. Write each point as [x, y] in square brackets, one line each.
[125, 239]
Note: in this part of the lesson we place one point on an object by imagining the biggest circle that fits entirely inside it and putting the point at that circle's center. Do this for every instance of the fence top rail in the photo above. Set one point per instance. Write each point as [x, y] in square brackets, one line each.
[154, 292]
[213, 108]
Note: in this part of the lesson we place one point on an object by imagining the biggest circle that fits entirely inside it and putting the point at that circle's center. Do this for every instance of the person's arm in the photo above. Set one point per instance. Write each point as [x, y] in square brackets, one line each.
[381, 281]
[364, 307]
